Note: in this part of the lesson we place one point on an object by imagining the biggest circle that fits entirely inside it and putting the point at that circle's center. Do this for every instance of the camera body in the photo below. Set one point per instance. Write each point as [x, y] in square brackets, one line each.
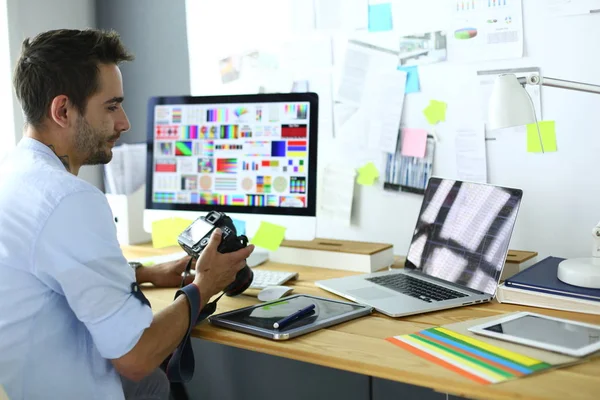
[197, 236]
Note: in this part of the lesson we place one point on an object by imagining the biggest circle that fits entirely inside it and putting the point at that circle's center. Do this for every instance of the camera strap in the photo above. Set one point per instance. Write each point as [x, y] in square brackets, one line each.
[180, 367]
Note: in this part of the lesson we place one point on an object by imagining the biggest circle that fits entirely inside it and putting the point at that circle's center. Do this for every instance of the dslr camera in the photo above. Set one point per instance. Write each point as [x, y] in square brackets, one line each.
[196, 237]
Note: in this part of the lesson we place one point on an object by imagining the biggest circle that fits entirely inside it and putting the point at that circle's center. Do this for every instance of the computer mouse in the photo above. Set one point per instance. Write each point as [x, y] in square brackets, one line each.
[271, 293]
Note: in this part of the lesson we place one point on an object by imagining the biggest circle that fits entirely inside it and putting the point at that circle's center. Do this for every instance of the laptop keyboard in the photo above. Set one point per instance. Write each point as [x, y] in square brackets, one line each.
[417, 288]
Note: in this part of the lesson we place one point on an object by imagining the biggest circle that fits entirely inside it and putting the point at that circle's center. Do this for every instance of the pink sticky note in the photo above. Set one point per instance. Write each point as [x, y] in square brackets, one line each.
[414, 142]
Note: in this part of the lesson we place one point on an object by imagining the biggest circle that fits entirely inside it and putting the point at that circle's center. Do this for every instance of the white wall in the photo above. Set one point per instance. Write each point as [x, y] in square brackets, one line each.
[560, 204]
[7, 136]
[26, 18]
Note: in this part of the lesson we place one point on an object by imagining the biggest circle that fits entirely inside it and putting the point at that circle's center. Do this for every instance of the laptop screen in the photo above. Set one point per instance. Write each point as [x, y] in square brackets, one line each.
[463, 232]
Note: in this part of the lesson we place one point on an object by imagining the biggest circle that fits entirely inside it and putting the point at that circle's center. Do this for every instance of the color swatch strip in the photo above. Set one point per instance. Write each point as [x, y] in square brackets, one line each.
[472, 358]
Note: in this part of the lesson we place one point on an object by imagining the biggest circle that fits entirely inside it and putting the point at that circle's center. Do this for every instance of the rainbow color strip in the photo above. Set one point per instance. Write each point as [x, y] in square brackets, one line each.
[229, 131]
[209, 199]
[177, 115]
[189, 132]
[164, 197]
[272, 201]
[217, 115]
[256, 200]
[183, 148]
[232, 200]
[298, 111]
[472, 358]
[227, 165]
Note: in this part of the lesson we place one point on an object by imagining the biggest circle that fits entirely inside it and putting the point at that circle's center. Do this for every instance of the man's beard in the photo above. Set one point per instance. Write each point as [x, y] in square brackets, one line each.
[93, 143]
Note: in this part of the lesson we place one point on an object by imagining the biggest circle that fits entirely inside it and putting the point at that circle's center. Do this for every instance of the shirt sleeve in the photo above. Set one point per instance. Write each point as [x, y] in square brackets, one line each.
[77, 255]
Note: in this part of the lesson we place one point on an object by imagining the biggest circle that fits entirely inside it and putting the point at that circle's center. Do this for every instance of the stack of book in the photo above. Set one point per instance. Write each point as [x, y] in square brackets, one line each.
[538, 286]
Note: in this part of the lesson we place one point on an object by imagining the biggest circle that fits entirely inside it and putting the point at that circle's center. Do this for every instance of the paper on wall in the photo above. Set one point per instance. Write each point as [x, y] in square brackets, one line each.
[337, 194]
[126, 172]
[471, 158]
[486, 30]
[385, 100]
[558, 8]
[345, 15]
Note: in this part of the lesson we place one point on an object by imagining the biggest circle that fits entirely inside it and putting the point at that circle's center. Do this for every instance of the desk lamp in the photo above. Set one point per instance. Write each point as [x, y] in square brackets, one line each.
[510, 106]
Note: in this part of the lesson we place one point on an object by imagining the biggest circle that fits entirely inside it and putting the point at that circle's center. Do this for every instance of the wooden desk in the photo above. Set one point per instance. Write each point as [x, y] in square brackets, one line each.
[358, 345]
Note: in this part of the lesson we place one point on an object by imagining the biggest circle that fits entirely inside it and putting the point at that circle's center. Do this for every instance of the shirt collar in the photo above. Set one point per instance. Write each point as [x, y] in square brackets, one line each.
[39, 147]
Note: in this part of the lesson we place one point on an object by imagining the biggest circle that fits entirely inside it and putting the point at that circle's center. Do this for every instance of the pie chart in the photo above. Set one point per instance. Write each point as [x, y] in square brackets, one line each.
[465, 33]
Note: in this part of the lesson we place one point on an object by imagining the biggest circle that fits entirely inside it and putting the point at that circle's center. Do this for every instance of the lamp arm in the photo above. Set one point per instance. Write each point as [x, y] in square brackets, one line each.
[561, 84]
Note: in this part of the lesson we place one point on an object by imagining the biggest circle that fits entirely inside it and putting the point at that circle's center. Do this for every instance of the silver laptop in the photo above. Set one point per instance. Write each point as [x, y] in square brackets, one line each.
[456, 255]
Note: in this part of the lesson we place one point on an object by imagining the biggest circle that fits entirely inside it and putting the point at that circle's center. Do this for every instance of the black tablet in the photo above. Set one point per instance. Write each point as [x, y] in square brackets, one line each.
[259, 319]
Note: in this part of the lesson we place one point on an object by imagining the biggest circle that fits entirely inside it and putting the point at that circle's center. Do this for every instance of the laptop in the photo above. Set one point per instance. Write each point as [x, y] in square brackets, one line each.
[456, 255]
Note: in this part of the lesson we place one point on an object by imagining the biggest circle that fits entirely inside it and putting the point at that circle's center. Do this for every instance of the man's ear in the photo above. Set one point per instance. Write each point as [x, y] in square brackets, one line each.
[60, 108]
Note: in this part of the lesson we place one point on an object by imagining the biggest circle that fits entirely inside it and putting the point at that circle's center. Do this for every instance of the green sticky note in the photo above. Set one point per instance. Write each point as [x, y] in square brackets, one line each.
[548, 137]
[367, 174]
[166, 231]
[435, 111]
[269, 236]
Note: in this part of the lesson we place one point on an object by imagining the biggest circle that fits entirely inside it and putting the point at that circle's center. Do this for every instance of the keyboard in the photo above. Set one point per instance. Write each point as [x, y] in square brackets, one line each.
[263, 278]
[417, 288]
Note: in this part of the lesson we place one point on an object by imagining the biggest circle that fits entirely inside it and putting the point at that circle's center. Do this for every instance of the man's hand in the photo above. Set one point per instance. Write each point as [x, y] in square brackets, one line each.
[215, 271]
[166, 274]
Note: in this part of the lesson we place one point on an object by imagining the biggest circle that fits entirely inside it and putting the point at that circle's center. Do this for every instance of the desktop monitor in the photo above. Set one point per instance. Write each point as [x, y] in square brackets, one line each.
[253, 157]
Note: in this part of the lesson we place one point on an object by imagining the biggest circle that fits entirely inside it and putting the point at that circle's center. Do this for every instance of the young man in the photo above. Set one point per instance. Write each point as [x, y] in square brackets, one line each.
[73, 322]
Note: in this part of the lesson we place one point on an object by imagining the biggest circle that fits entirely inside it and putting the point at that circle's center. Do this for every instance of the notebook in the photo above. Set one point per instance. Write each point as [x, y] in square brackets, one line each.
[542, 277]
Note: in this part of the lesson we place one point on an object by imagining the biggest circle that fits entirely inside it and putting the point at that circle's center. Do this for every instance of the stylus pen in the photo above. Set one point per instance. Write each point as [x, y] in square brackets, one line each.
[295, 316]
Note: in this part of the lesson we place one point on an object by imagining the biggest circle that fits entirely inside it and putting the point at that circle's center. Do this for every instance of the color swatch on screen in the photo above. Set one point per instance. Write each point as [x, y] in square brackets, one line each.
[209, 199]
[189, 132]
[205, 165]
[165, 148]
[166, 165]
[226, 184]
[207, 132]
[272, 201]
[217, 115]
[263, 184]
[232, 200]
[166, 132]
[292, 201]
[183, 148]
[189, 182]
[229, 147]
[164, 197]
[298, 184]
[297, 111]
[229, 131]
[227, 165]
[472, 358]
[296, 148]
[176, 115]
[278, 148]
[250, 166]
[255, 200]
[258, 148]
[294, 131]
[208, 149]
[270, 163]
[239, 111]
[245, 132]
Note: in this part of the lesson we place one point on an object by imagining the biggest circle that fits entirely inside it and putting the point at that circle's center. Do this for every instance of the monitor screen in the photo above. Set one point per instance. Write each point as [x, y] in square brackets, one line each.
[248, 153]
[463, 232]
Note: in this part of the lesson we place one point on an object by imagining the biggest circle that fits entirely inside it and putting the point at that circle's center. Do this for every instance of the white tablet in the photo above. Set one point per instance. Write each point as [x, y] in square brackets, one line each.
[564, 336]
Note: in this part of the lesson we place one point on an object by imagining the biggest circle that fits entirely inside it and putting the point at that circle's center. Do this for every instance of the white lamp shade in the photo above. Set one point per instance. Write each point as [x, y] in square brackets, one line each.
[510, 104]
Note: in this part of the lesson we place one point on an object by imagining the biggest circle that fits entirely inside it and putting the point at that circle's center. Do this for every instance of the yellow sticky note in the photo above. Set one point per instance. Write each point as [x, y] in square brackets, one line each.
[435, 111]
[367, 174]
[269, 236]
[548, 136]
[166, 231]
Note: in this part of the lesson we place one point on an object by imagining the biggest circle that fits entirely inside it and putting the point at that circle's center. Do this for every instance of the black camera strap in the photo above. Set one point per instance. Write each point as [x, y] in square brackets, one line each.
[180, 367]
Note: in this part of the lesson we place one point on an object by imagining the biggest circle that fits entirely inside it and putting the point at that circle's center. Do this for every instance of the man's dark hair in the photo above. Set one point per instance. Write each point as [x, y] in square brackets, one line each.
[63, 62]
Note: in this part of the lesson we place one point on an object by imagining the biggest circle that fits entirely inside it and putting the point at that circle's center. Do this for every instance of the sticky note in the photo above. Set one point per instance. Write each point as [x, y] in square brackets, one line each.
[367, 174]
[380, 17]
[166, 231]
[413, 85]
[269, 236]
[435, 112]
[414, 142]
[240, 226]
[548, 134]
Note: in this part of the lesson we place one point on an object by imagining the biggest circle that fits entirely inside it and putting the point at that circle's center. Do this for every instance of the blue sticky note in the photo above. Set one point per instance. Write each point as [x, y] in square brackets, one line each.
[380, 17]
[240, 226]
[412, 79]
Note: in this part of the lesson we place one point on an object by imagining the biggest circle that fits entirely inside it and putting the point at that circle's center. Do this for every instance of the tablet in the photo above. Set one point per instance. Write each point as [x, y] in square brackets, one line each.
[564, 336]
[259, 319]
